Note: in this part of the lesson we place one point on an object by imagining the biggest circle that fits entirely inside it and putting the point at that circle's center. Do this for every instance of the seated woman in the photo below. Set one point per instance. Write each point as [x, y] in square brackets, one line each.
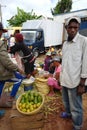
[53, 79]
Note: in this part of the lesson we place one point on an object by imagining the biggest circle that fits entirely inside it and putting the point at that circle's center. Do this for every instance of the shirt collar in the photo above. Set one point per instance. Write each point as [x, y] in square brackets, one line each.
[75, 38]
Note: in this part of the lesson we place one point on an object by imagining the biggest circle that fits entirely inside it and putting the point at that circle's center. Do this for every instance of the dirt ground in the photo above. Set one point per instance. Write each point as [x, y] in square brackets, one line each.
[51, 122]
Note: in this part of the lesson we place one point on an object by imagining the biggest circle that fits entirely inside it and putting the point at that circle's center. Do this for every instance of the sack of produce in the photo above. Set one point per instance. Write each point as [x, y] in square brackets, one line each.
[41, 85]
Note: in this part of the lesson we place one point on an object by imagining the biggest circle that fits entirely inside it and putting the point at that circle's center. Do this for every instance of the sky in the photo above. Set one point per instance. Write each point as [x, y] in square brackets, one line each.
[40, 7]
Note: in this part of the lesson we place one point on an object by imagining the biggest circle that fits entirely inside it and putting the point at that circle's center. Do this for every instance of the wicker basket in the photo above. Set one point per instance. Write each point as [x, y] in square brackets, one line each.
[32, 112]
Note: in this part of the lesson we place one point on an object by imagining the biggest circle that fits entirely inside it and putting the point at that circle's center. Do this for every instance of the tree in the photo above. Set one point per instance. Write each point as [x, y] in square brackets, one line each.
[21, 17]
[62, 6]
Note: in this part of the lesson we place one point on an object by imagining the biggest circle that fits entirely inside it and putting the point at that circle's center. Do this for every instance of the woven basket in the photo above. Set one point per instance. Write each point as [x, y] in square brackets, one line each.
[32, 112]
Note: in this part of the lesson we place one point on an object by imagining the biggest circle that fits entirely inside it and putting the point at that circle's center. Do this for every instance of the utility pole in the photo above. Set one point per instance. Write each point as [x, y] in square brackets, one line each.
[1, 11]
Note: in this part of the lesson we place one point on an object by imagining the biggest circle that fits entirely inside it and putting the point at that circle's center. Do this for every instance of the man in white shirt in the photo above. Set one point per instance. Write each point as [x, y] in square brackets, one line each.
[74, 72]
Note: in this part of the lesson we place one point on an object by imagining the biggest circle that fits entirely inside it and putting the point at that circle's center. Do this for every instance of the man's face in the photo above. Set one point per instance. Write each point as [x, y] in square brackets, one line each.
[72, 29]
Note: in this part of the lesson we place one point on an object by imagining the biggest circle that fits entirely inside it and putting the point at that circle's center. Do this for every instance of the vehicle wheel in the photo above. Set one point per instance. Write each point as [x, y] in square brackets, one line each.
[36, 53]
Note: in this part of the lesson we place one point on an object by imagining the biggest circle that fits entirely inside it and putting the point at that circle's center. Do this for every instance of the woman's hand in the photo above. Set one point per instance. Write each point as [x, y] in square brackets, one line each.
[28, 76]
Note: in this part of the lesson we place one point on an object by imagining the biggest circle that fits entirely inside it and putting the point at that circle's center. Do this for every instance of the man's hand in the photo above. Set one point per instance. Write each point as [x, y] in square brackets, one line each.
[81, 89]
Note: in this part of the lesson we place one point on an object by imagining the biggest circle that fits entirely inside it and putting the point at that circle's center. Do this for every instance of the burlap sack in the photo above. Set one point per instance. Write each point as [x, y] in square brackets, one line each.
[41, 85]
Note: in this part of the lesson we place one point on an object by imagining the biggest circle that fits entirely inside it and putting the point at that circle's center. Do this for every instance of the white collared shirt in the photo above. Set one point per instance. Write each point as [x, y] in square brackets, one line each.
[74, 61]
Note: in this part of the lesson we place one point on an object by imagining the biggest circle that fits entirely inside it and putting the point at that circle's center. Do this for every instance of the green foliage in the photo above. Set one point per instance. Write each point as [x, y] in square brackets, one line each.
[62, 6]
[21, 17]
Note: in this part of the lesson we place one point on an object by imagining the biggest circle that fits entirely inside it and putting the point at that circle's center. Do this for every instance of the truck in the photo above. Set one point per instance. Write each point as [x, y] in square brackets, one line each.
[41, 34]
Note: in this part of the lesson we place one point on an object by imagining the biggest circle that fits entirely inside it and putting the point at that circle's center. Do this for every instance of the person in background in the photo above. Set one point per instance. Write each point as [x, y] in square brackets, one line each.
[27, 56]
[51, 49]
[47, 61]
[74, 72]
[12, 41]
[53, 54]
[16, 31]
[51, 65]
[54, 79]
[8, 69]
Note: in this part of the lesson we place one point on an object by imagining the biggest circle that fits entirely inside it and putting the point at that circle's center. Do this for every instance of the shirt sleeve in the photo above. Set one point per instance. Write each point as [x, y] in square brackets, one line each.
[14, 48]
[6, 61]
[84, 60]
